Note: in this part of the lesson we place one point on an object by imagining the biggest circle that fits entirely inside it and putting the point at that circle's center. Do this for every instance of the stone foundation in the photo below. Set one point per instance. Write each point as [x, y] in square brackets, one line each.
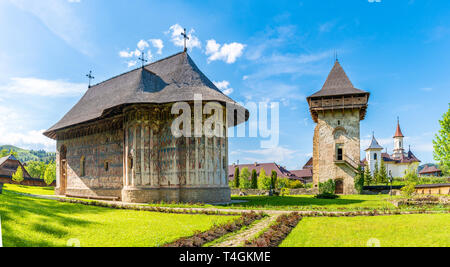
[92, 192]
[186, 195]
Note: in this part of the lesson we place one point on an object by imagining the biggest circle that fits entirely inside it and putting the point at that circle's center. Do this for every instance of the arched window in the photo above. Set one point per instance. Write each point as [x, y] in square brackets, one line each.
[106, 166]
[375, 156]
[82, 166]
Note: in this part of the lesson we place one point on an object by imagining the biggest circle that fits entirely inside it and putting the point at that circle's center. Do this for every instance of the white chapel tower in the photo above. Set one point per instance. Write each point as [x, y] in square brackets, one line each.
[373, 154]
[398, 142]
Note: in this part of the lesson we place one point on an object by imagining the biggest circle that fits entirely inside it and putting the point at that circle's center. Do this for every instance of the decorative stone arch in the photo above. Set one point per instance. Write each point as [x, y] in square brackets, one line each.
[339, 186]
[338, 132]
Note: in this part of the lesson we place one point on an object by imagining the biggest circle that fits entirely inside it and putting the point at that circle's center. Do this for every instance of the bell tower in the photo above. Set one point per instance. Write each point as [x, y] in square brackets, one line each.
[399, 151]
[337, 109]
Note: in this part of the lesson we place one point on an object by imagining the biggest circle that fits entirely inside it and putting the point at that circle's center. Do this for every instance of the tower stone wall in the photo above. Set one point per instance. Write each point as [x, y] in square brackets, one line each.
[336, 129]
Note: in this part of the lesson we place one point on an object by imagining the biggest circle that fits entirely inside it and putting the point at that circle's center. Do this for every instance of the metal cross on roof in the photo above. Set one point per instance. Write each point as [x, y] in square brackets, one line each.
[142, 58]
[186, 37]
[90, 77]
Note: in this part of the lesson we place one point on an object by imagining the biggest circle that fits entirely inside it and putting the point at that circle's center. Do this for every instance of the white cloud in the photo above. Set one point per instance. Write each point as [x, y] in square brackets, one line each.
[224, 86]
[74, 1]
[41, 87]
[374, 1]
[178, 40]
[12, 131]
[227, 52]
[142, 45]
[326, 27]
[158, 44]
[59, 17]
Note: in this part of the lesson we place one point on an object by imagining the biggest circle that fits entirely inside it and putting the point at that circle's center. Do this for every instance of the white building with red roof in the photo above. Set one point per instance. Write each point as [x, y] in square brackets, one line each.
[396, 163]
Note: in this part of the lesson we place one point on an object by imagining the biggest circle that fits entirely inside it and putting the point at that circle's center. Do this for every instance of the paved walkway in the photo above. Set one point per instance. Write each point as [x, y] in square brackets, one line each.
[248, 234]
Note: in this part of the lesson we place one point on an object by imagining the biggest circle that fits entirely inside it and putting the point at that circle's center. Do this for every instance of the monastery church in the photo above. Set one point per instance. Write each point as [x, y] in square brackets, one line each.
[116, 142]
[397, 163]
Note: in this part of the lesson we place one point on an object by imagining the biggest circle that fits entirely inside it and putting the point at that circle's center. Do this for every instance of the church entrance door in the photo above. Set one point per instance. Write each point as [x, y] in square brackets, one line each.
[339, 187]
[63, 171]
[63, 180]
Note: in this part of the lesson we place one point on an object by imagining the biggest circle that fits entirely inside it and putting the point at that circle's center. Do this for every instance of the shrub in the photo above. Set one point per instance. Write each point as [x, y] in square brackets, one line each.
[327, 187]
[294, 184]
[282, 183]
[326, 196]
[285, 192]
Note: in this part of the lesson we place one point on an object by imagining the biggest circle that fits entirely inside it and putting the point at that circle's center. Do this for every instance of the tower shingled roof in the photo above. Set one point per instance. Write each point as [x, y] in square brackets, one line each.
[398, 133]
[338, 83]
[374, 144]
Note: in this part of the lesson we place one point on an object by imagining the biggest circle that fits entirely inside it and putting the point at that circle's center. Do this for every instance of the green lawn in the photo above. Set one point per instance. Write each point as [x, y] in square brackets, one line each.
[28, 221]
[351, 202]
[30, 189]
[423, 230]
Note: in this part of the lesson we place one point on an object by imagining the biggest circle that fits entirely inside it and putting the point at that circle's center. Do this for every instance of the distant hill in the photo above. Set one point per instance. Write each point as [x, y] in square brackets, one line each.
[31, 155]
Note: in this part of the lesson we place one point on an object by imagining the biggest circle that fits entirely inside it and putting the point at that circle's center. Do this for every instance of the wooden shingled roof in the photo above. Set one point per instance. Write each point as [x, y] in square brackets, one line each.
[170, 80]
[338, 84]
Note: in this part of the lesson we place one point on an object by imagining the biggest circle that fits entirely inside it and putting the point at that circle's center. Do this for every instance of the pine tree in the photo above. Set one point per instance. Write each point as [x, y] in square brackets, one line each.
[383, 174]
[359, 180]
[367, 175]
[18, 175]
[254, 179]
[236, 177]
[376, 174]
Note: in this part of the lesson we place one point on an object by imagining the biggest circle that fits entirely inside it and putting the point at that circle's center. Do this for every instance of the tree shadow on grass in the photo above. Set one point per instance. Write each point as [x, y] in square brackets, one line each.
[290, 201]
[53, 218]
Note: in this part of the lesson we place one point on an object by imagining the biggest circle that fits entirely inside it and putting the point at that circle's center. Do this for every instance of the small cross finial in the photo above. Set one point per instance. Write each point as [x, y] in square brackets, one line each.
[90, 77]
[186, 37]
[142, 58]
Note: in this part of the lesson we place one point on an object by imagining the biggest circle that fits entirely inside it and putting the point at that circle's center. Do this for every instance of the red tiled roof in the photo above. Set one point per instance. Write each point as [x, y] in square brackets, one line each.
[268, 168]
[409, 158]
[398, 133]
[305, 173]
[429, 169]
[309, 164]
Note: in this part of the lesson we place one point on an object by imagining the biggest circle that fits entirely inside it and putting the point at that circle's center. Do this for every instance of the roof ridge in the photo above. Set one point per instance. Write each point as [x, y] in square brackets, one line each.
[145, 67]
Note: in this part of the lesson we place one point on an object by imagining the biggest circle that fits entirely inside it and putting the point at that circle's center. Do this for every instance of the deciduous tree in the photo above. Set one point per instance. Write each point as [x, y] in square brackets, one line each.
[442, 144]
[18, 175]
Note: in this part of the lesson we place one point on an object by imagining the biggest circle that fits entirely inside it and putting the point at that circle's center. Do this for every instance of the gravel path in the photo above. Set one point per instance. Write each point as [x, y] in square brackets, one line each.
[239, 239]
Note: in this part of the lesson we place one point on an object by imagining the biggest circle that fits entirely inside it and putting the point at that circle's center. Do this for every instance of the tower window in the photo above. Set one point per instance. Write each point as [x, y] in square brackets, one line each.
[339, 122]
[375, 156]
[339, 152]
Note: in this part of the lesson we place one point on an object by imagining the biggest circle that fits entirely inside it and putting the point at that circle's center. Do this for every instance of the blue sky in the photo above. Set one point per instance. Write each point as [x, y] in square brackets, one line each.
[275, 51]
